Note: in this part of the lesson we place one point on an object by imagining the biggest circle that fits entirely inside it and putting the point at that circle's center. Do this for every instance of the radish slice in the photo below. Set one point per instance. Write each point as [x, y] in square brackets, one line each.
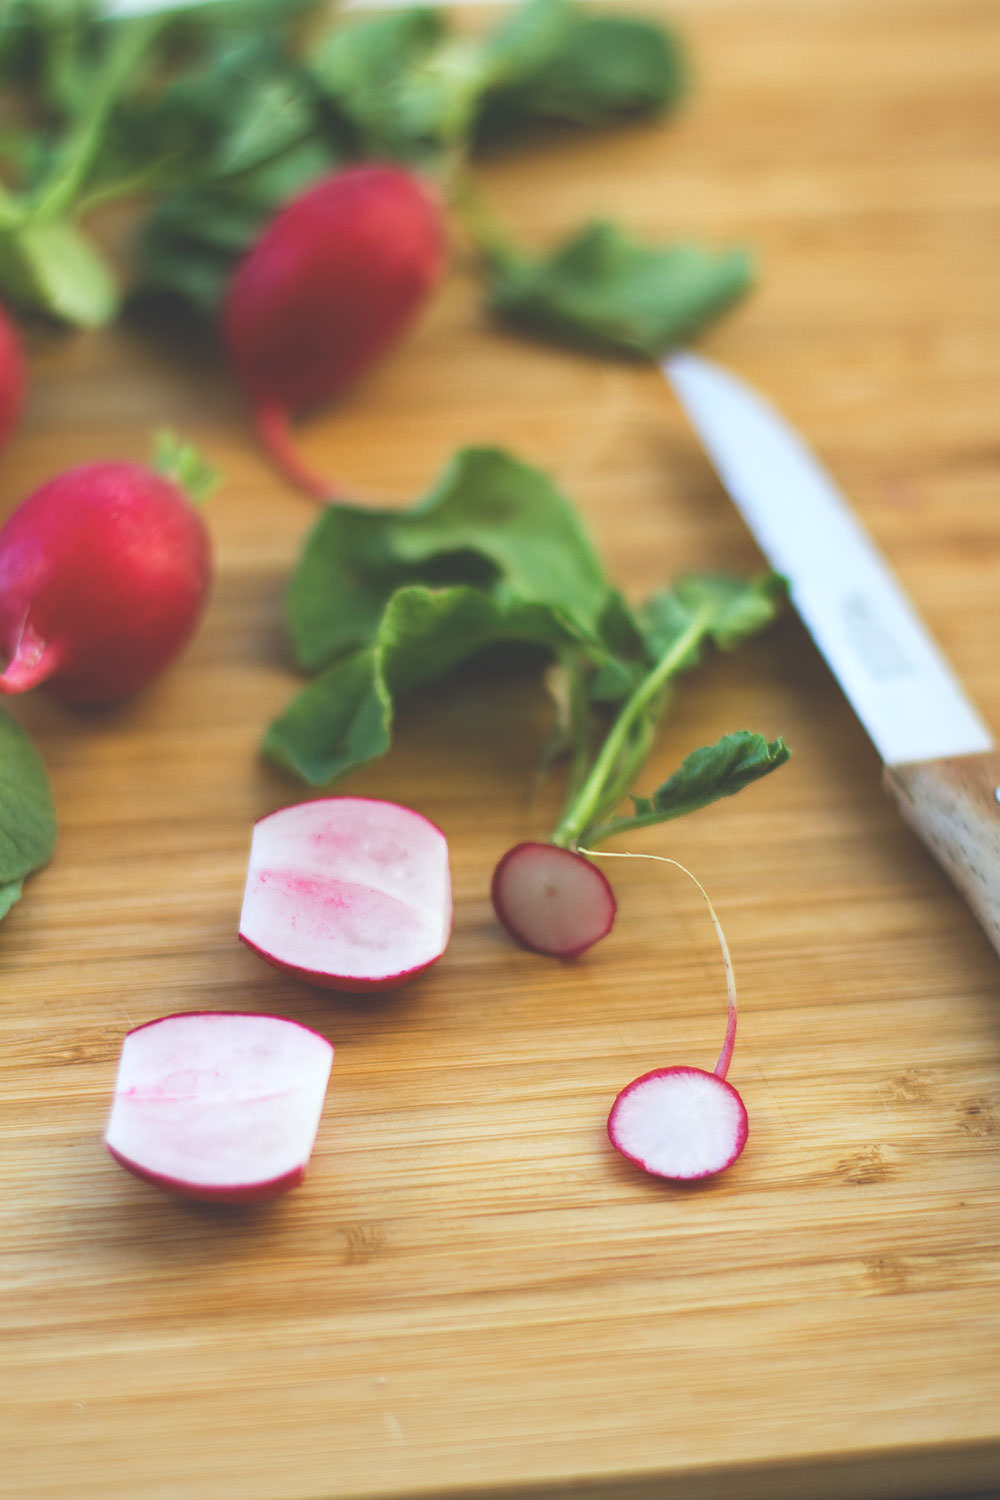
[348, 893]
[552, 900]
[219, 1105]
[681, 1123]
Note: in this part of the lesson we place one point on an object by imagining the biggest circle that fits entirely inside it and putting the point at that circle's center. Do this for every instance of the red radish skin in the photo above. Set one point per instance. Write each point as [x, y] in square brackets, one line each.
[220, 1106]
[348, 893]
[13, 377]
[552, 900]
[333, 281]
[104, 573]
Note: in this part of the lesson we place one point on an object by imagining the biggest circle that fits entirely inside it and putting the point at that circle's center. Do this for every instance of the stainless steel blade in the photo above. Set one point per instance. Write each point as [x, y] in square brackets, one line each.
[899, 684]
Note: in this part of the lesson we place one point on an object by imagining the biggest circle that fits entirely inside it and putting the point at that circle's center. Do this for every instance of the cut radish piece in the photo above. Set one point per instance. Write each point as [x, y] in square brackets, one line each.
[552, 900]
[348, 893]
[681, 1123]
[219, 1105]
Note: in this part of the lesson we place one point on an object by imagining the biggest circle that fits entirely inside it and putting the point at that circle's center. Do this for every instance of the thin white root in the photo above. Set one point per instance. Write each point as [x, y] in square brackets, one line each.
[725, 1056]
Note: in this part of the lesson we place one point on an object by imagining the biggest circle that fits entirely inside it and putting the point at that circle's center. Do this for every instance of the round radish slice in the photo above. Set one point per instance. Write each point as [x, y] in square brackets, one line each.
[348, 893]
[219, 1105]
[552, 900]
[680, 1122]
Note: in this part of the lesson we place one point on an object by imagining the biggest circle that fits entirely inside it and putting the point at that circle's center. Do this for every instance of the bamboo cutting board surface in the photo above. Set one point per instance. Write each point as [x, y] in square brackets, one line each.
[471, 1294]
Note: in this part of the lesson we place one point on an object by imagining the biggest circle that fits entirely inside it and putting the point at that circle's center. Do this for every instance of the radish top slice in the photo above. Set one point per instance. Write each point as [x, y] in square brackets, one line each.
[348, 888]
[219, 1103]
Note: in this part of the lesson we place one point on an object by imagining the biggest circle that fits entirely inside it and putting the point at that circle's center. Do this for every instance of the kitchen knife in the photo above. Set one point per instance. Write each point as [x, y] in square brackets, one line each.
[940, 764]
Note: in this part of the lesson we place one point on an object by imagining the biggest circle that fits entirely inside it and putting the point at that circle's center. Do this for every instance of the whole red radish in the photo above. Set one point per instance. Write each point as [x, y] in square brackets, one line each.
[331, 283]
[348, 893]
[13, 377]
[219, 1105]
[104, 573]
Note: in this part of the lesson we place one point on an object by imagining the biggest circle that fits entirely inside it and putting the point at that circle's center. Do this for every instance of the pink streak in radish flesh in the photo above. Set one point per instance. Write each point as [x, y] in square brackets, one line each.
[348, 893]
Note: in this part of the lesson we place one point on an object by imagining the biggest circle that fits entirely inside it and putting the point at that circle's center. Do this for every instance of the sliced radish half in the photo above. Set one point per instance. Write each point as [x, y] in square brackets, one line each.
[349, 893]
[680, 1122]
[552, 900]
[219, 1105]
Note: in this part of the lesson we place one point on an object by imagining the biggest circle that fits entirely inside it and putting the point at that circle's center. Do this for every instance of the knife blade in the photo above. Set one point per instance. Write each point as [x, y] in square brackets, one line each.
[940, 764]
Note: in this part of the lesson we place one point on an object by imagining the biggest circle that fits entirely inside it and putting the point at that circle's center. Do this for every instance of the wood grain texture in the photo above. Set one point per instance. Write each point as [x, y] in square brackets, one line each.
[953, 805]
[471, 1295]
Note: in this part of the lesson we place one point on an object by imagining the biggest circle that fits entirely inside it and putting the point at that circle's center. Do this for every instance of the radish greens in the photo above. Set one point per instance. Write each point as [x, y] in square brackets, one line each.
[27, 816]
[385, 602]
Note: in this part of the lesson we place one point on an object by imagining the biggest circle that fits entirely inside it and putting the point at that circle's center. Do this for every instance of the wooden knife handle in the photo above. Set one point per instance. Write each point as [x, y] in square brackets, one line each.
[954, 807]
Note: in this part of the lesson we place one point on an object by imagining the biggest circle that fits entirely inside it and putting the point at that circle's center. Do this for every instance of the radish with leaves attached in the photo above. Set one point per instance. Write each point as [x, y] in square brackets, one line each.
[389, 601]
[104, 573]
[550, 897]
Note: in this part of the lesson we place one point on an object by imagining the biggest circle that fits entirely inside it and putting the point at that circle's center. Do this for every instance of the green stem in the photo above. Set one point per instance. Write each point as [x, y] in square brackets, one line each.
[491, 239]
[60, 192]
[610, 762]
[578, 724]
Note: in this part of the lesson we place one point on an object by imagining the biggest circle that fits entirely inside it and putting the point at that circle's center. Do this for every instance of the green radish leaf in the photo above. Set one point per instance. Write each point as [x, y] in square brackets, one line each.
[367, 70]
[181, 462]
[567, 65]
[50, 266]
[734, 609]
[708, 774]
[529, 39]
[343, 718]
[603, 291]
[490, 521]
[27, 817]
[9, 895]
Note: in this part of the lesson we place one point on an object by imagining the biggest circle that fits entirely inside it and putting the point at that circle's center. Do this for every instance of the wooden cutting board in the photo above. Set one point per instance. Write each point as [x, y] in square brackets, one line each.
[472, 1294]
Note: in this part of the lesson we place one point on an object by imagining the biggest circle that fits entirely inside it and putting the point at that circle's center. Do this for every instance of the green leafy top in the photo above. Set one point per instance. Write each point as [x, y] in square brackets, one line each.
[27, 816]
[385, 602]
[604, 291]
[218, 112]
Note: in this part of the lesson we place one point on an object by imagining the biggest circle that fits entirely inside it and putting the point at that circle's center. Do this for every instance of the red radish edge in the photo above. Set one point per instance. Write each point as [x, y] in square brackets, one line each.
[348, 893]
[552, 900]
[210, 1087]
[13, 376]
[683, 1123]
[274, 431]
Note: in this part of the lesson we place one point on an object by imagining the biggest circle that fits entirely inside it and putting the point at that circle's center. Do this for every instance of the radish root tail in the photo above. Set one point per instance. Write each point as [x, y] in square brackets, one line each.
[274, 430]
[725, 1056]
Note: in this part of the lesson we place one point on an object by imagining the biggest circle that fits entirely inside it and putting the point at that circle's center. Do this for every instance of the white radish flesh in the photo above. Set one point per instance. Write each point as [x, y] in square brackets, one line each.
[219, 1105]
[348, 893]
[552, 900]
[681, 1123]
